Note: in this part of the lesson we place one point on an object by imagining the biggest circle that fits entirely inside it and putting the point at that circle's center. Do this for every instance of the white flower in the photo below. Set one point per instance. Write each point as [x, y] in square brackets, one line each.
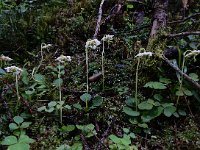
[144, 54]
[107, 38]
[92, 43]
[193, 53]
[5, 58]
[14, 69]
[63, 58]
[45, 46]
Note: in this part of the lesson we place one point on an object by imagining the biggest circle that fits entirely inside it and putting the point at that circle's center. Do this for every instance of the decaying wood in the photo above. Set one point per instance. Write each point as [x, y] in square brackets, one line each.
[184, 34]
[98, 20]
[160, 16]
[188, 78]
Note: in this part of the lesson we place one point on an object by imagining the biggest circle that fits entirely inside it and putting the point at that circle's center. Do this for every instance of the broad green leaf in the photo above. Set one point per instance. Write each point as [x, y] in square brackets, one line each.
[130, 112]
[143, 125]
[194, 76]
[158, 97]
[18, 119]
[39, 77]
[41, 108]
[68, 128]
[176, 114]
[77, 106]
[130, 6]
[25, 76]
[179, 93]
[25, 124]
[132, 135]
[9, 140]
[52, 103]
[68, 107]
[130, 101]
[25, 139]
[2, 71]
[85, 97]
[168, 111]
[97, 101]
[13, 126]
[51, 109]
[145, 106]
[182, 112]
[165, 80]
[58, 82]
[126, 141]
[19, 146]
[126, 130]
[155, 85]
[187, 92]
[114, 138]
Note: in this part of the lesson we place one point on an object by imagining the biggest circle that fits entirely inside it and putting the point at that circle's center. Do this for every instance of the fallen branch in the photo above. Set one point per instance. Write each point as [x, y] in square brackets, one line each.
[196, 85]
[183, 34]
[185, 19]
[98, 20]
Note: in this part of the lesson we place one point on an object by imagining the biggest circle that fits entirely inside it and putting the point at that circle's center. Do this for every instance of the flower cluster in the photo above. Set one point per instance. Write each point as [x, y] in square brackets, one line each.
[193, 53]
[107, 38]
[45, 46]
[144, 54]
[92, 43]
[14, 69]
[63, 58]
[5, 58]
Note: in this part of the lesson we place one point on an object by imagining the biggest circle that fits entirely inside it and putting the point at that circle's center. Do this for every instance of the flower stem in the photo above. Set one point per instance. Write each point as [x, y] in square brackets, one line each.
[136, 84]
[60, 93]
[103, 72]
[87, 70]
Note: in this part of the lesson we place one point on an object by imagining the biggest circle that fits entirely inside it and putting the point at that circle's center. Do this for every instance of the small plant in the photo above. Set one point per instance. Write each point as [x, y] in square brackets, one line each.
[18, 141]
[96, 101]
[90, 44]
[62, 59]
[122, 143]
[140, 54]
[107, 38]
[16, 71]
[87, 130]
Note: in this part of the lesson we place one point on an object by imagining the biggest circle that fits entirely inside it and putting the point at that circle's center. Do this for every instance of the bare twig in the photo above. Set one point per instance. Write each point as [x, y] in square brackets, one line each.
[99, 19]
[196, 85]
[183, 34]
[185, 19]
[86, 147]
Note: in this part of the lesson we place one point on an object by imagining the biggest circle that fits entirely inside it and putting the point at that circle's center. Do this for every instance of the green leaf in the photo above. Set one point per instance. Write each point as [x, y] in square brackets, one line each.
[85, 97]
[130, 112]
[176, 114]
[2, 71]
[130, 6]
[39, 77]
[68, 107]
[97, 101]
[25, 139]
[114, 138]
[182, 112]
[187, 92]
[179, 93]
[126, 130]
[165, 80]
[18, 119]
[13, 126]
[19, 146]
[68, 128]
[58, 82]
[25, 77]
[130, 101]
[143, 125]
[194, 76]
[25, 124]
[145, 106]
[9, 140]
[158, 97]
[155, 85]
[41, 108]
[77, 106]
[168, 111]
[51, 109]
[52, 103]
[132, 135]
